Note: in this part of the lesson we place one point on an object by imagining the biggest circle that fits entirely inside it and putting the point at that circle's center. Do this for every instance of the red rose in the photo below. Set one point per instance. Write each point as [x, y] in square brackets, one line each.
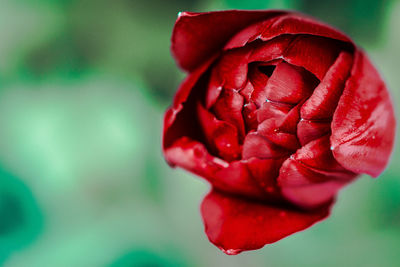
[278, 112]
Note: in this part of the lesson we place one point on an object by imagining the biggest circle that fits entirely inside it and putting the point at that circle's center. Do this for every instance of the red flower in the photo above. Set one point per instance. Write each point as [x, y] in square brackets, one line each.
[278, 112]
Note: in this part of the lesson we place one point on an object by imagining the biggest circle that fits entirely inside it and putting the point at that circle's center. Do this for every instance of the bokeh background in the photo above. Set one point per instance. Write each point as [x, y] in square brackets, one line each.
[83, 88]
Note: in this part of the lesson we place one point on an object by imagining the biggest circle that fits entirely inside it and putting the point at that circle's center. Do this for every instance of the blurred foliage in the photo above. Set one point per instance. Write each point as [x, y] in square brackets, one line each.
[83, 87]
[145, 258]
[21, 219]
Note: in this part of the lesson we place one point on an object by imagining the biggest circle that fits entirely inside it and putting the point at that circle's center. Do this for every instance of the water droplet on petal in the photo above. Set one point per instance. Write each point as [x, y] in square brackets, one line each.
[221, 162]
[232, 251]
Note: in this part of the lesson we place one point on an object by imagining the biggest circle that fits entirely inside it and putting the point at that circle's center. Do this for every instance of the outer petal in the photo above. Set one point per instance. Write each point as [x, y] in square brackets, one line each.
[235, 224]
[363, 125]
[312, 176]
[324, 100]
[292, 23]
[175, 123]
[221, 136]
[231, 177]
[197, 36]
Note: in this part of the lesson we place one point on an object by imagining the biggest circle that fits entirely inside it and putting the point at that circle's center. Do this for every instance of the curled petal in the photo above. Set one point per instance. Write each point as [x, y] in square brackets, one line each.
[306, 187]
[178, 120]
[324, 100]
[293, 23]
[308, 130]
[250, 116]
[229, 108]
[363, 125]
[265, 172]
[236, 224]
[270, 130]
[315, 54]
[221, 136]
[289, 84]
[197, 36]
[271, 50]
[317, 154]
[231, 177]
[257, 146]
[311, 177]
[270, 110]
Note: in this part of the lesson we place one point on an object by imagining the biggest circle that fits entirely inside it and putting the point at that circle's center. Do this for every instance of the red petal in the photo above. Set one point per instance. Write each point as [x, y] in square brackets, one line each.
[315, 54]
[292, 23]
[178, 120]
[197, 36]
[317, 154]
[308, 130]
[270, 130]
[323, 101]
[250, 116]
[259, 81]
[306, 187]
[363, 125]
[221, 136]
[289, 84]
[312, 176]
[258, 146]
[234, 224]
[266, 172]
[271, 50]
[246, 91]
[214, 89]
[229, 108]
[231, 177]
[270, 110]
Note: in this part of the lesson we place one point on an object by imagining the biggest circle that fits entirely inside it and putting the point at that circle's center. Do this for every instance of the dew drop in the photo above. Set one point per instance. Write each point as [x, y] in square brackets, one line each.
[232, 251]
[221, 162]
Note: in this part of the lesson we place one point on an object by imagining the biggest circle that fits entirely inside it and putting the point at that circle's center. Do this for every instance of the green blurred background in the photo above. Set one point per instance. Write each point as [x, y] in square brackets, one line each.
[83, 88]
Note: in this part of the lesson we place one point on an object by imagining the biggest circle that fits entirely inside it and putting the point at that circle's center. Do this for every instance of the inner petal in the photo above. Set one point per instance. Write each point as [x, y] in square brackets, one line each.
[290, 84]
[229, 108]
[222, 137]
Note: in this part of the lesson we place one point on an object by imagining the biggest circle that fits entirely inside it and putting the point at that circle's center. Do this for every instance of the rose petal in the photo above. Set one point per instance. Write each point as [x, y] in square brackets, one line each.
[235, 224]
[271, 50]
[292, 23]
[259, 81]
[250, 116]
[289, 84]
[229, 108]
[312, 176]
[324, 100]
[270, 110]
[308, 130]
[317, 154]
[198, 36]
[307, 187]
[315, 54]
[178, 120]
[258, 146]
[231, 177]
[266, 172]
[221, 136]
[363, 125]
[270, 130]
